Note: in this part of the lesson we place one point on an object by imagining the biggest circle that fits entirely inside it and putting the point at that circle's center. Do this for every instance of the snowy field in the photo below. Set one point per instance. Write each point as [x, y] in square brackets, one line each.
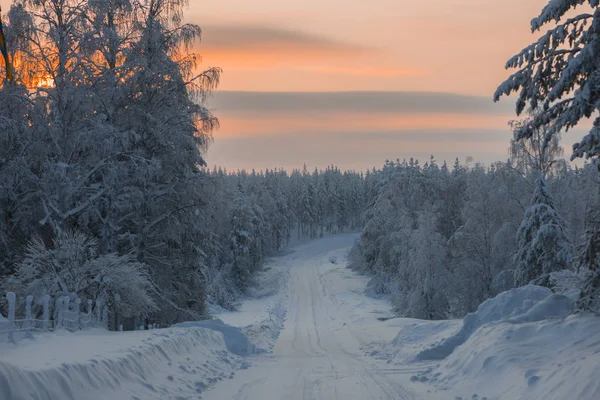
[313, 334]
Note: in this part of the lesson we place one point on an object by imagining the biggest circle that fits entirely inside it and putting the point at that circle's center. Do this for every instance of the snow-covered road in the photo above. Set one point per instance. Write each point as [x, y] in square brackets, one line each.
[328, 340]
[318, 354]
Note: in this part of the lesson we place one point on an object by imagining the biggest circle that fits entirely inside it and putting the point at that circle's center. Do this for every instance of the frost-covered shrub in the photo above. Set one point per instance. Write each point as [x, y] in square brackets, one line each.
[504, 281]
[219, 286]
[72, 266]
[561, 281]
[356, 258]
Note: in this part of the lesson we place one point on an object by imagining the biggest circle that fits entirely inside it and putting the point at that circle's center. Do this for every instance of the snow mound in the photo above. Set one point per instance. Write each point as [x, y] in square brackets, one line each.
[265, 333]
[506, 305]
[415, 336]
[552, 359]
[554, 306]
[163, 364]
[261, 316]
[235, 340]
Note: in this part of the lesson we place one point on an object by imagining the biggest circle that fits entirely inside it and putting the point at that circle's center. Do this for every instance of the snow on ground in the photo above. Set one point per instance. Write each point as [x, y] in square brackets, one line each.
[554, 359]
[174, 363]
[510, 304]
[261, 316]
[318, 354]
[518, 345]
[309, 332]
[413, 337]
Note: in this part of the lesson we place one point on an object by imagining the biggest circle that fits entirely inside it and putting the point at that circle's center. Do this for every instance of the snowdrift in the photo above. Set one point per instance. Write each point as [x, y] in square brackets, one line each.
[511, 306]
[235, 340]
[415, 336]
[173, 363]
[522, 344]
[554, 359]
[266, 332]
[262, 314]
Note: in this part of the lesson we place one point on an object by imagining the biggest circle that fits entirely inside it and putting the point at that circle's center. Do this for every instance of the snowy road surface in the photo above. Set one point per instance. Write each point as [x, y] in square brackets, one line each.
[328, 341]
[317, 355]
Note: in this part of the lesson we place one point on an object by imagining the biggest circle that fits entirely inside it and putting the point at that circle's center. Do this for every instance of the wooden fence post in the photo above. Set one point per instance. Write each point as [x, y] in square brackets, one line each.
[28, 318]
[12, 305]
[65, 313]
[99, 307]
[46, 317]
[59, 312]
[78, 309]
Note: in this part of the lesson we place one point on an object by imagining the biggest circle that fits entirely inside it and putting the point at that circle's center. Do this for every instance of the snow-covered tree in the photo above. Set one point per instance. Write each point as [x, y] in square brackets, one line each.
[588, 260]
[544, 246]
[18, 174]
[428, 294]
[483, 244]
[558, 75]
[536, 155]
[73, 266]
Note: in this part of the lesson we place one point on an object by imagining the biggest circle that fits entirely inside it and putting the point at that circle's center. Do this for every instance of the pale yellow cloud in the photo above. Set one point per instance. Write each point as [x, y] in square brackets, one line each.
[282, 124]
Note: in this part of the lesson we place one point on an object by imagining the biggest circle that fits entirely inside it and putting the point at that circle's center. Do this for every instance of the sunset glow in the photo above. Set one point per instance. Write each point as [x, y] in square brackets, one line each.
[244, 126]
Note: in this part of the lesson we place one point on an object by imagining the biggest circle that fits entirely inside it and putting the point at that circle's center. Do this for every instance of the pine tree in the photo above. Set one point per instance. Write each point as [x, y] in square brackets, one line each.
[544, 246]
[589, 259]
[558, 76]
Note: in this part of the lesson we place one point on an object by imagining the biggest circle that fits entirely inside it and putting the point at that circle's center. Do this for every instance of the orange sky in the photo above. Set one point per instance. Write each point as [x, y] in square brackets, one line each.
[457, 46]
[454, 46]
[324, 46]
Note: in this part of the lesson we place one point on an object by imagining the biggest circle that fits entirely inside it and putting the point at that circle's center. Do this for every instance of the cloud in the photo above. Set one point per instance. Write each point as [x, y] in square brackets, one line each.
[386, 72]
[256, 47]
[311, 103]
[270, 123]
[255, 37]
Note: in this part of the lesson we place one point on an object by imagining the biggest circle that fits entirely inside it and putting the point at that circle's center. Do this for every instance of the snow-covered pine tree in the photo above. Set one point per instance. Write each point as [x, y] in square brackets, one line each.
[589, 258]
[558, 75]
[544, 246]
[242, 242]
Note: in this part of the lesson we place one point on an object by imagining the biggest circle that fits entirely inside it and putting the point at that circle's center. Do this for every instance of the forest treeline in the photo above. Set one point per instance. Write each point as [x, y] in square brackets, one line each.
[105, 193]
[442, 239]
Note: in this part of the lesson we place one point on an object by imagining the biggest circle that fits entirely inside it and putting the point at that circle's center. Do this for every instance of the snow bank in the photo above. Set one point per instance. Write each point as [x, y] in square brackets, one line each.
[514, 303]
[414, 337]
[265, 333]
[262, 314]
[554, 306]
[521, 345]
[552, 359]
[160, 364]
[235, 340]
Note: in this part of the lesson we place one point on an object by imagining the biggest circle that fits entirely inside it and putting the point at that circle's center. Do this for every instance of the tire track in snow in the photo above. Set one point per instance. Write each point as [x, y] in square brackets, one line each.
[312, 359]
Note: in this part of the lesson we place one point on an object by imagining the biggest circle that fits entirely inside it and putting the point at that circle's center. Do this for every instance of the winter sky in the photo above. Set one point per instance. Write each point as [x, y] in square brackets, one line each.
[272, 49]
